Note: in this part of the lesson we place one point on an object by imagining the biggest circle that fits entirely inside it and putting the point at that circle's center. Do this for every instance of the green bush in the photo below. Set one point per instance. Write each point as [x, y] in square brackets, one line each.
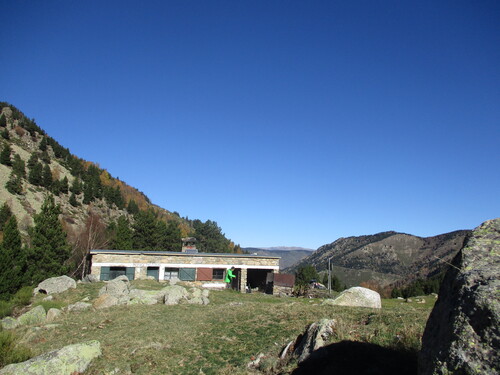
[10, 352]
[5, 308]
[23, 296]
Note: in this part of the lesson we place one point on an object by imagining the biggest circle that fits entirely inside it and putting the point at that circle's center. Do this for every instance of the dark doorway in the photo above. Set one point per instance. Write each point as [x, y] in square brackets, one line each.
[236, 281]
[257, 279]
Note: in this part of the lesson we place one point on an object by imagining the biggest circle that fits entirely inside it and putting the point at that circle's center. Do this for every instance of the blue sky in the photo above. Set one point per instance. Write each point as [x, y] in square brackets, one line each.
[287, 122]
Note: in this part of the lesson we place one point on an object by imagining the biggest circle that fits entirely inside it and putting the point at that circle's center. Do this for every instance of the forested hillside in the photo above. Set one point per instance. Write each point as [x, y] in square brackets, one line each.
[54, 207]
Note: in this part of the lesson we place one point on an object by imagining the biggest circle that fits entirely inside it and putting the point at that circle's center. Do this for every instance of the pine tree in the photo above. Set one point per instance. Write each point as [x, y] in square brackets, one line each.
[46, 177]
[3, 121]
[123, 238]
[44, 156]
[32, 160]
[14, 185]
[132, 207]
[64, 185]
[43, 144]
[12, 260]
[35, 174]
[73, 201]
[5, 134]
[49, 251]
[144, 230]
[5, 214]
[18, 166]
[76, 186]
[5, 155]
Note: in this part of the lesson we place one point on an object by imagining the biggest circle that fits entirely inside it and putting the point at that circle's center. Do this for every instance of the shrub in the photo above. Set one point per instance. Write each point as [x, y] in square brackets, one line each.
[23, 296]
[10, 351]
[5, 308]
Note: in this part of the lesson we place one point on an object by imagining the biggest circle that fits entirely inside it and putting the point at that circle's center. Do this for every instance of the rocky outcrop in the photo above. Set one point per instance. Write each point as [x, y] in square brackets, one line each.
[72, 359]
[356, 297]
[462, 335]
[314, 338]
[55, 285]
[52, 315]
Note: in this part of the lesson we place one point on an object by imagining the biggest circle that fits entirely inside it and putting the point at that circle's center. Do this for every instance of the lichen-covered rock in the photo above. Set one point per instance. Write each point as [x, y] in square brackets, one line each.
[9, 323]
[118, 287]
[90, 279]
[34, 316]
[104, 301]
[72, 359]
[53, 314]
[146, 297]
[462, 335]
[356, 297]
[79, 306]
[55, 285]
[175, 294]
[314, 338]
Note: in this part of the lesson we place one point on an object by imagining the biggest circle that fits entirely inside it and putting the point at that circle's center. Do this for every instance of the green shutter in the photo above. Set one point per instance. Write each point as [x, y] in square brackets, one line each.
[187, 274]
[104, 273]
[130, 273]
[153, 271]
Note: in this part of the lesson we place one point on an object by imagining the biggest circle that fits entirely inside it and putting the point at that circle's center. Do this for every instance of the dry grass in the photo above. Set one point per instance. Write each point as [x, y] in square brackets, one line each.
[221, 337]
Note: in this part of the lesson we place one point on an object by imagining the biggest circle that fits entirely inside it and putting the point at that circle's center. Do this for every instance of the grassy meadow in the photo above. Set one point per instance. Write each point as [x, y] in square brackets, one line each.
[220, 338]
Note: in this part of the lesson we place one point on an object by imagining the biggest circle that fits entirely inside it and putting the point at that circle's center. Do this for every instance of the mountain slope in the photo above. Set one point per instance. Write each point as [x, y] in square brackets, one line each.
[84, 191]
[386, 257]
[289, 256]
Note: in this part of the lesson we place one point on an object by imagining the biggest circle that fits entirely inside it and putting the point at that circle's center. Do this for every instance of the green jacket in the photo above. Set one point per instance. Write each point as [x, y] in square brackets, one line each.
[229, 276]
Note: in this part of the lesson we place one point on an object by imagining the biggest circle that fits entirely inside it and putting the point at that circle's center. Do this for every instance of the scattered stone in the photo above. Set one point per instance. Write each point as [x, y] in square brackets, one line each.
[79, 306]
[86, 299]
[314, 338]
[255, 363]
[34, 316]
[462, 335]
[118, 287]
[409, 300]
[53, 314]
[9, 323]
[421, 301]
[55, 285]
[48, 298]
[68, 360]
[356, 297]
[104, 301]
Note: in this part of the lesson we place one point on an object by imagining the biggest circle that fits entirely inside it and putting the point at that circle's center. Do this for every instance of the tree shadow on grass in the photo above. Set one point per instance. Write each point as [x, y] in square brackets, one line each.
[358, 358]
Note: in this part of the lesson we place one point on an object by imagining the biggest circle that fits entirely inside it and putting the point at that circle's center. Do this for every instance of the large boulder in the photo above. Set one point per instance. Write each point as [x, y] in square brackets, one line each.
[356, 297]
[53, 314]
[9, 323]
[55, 285]
[79, 306]
[72, 359]
[34, 316]
[146, 297]
[462, 335]
[104, 301]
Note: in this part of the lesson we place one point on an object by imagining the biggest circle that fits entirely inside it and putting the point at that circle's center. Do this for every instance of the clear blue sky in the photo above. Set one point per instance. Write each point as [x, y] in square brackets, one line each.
[287, 122]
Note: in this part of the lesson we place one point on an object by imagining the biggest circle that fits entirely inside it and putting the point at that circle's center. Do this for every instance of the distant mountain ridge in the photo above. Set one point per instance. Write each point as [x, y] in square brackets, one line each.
[386, 257]
[289, 255]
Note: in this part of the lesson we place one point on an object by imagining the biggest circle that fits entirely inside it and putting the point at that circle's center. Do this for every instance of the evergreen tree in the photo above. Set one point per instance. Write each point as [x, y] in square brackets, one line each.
[44, 156]
[46, 177]
[64, 185]
[144, 230]
[123, 238]
[43, 144]
[132, 207]
[14, 185]
[32, 160]
[167, 236]
[18, 166]
[12, 260]
[5, 214]
[305, 274]
[5, 134]
[5, 155]
[50, 250]
[35, 174]
[3, 121]
[76, 186]
[73, 201]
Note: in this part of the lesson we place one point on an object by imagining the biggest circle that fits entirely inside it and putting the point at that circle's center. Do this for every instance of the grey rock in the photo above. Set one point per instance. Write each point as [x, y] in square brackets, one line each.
[117, 287]
[79, 306]
[104, 301]
[68, 360]
[53, 314]
[34, 316]
[146, 297]
[314, 338]
[55, 285]
[175, 294]
[90, 279]
[9, 323]
[356, 297]
[48, 298]
[462, 335]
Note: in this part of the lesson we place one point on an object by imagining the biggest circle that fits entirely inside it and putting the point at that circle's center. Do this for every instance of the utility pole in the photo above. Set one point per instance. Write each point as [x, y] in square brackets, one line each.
[329, 276]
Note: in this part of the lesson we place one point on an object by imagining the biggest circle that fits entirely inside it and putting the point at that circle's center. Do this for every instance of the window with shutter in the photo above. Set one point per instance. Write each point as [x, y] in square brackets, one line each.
[204, 274]
[104, 274]
[187, 274]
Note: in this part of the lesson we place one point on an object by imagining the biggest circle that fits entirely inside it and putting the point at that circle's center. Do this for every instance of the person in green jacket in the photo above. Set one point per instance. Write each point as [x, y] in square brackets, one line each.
[229, 276]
